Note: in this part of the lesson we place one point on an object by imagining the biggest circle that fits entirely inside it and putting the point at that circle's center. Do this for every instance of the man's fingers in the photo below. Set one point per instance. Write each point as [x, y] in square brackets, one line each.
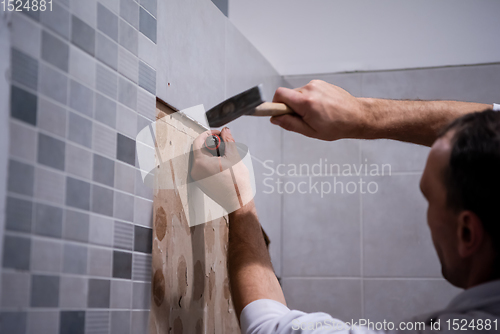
[199, 143]
[227, 135]
[293, 123]
[291, 97]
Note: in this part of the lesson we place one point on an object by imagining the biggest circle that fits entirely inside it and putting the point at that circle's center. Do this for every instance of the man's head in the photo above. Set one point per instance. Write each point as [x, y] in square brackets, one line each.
[461, 183]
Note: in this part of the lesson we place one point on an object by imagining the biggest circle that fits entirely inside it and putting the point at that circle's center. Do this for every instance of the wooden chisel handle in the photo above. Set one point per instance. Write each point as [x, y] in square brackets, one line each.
[272, 109]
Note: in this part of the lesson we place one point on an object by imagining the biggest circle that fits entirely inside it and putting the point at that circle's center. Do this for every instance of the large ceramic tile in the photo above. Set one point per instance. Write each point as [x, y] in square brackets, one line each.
[397, 300]
[196, 29]
[321, 230]
[396, 238]
[351, 82]
[341, 298]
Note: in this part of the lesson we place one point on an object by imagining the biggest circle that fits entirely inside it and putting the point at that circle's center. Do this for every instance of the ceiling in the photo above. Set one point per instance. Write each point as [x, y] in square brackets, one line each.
[325, 36]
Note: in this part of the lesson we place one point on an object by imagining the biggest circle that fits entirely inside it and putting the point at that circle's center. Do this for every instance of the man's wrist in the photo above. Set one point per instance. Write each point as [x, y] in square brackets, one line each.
[247, 210]
[370, 122]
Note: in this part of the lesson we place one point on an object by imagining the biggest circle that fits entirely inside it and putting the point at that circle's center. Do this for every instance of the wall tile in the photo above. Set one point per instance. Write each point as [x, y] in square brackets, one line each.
[129, 37]
[52, 118]
[107, 22]
[48, 220]
[104, 170]
[24, 69]
[128, 65]
[147, 78]
[147, 24]
[72, 322]
[18, 215]
[44, 291]
[143, 239]
[113, 5]
[55, 51]
[100, 262]
[97, 322]
[53, 84]
[105, 141]
[124, 236]
[106, 81]
[141, 189]
[23, 105]
[141, 267]
[80, 130]
[16, 252]
[127, 93]
[76, 226]
[148, 51]
[49, 186]
[101, 231]
[121, 295]
[120, 322]
[105, 110]
[13, 322]
[22, 142]
[125, 149]
[34, 15]
[143, 212]
[73, 292]
[21, 178]
[85, 11]
[124, 177]
[75, 259]
[46, 256]
[51, 151]
[129, 11]
[78, 161]
[141, 296]
[107, 51]
[15, 289]
[124, 206]
[81, 66]
[99, 291]
[146, 104]
[83, 35]
[43, 321]
[150, 5]
[57, 19]
[81, 98]
[102, 200]
[139, 322]
[25, 35]
[126, 121]
[77, 193]
[122, 265]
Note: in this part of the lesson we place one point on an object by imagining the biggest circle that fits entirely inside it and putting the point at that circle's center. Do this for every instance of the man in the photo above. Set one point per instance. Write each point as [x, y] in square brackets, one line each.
[460, 182]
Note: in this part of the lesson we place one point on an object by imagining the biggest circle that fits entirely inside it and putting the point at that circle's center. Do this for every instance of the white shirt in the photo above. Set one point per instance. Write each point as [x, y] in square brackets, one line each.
[496, 107]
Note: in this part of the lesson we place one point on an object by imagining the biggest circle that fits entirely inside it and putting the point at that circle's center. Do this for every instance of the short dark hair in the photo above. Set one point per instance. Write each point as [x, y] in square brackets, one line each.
[472, 179]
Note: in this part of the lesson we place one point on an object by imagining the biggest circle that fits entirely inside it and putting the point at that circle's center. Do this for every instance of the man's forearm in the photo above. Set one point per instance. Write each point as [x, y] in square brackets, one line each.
[416, 122]
[251, 275]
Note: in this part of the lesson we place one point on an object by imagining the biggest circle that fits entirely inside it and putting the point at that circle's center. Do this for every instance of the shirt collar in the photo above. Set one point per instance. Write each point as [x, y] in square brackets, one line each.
[476, 296]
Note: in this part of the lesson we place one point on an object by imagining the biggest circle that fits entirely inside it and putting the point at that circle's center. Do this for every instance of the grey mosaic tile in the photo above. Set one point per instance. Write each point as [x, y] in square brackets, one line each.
[80, 130]
[150, 5]
[128, 37]
[139, 322]
[106, 81]
[73, 292]
[147, 78]
[143, 240]
[128, 65]
[141, 296]
[120, 322]
[127, 93]
[107, 22]
[21, 178]
[101, 231]
[43, 322]
[77, 193]
[13, 322]
[53, 84]
[57, 19]
[97, 322]
[105, 141]
[107, 51]
[46, 256]
[99, 293]
[124, 236]
[147, 24]
[113, 5]
[18, 215]
[102, 200]
[82, 66]
[143, 212]
[85, 10]
[142, 189]
[126, 122]
[15, 289]
[24, 69]
[122, 265]
[76, 226]
[78, 161]
[105, 110]
[104, 170]
[75, 259]
[51, 151]
[81, 98]
[51, 117]
[124, 177]
[148, 51]
[121, 294]
[49, 185]
[146, 104]
[22, 142]
[34, 15]
[100, 262]
[129, 11]
[44, 291]
[23, 105]
[83, 35]
[141, 267]
[48, 220]
[64, 3]
[25, 35]
[72, 322]
[125, 149]
[16, 252]
[124, 207]
[55, 51]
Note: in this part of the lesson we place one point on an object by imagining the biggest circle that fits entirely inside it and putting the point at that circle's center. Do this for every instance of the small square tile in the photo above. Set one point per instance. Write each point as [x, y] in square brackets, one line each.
[125, 150]
[99, 292]
[124, 177]
[49, 185]
[124, 236]
[121, 294]
[127, 93]
[129, 11]
[102, 200]
[57, 19]
[34, 15]
[48, 220]
[19, 214]
[143, 241]
[143, 212]
[107, 51]
[141, 296]
[101, 231]
[13, 322]
[24, 69]
[105, 110]
[148, 51]
[65, 3]
[141, 267]
[129, 37]
[22, 142]
[15, 289]
[124, 207]
[142, 189]
[87, 10]
[147, 24]
[23, 105]
[107, 22]
[76, 226]
[81, 98]
[147, 78]
[75, 259]
[78, 161]
[113, 5]
[46, 256]
[55, 51]
[80, 130]
[97, 322]
[72, 322]
[77, 193]
[122, 265]
[146, 104]
[126, 122]
[100, 262]
[53, 84]
[51, 117]
[44, 291]
[151, 6]
[128, 64]
[51, 151]
[106, 81]
[120, 322]
[82, 66]
[83, 35]
[16, 252]
[25, 35]
[104, 170]
[105, 141]
[139, 322]
[73, 292]
[43, 322]
[21, 178]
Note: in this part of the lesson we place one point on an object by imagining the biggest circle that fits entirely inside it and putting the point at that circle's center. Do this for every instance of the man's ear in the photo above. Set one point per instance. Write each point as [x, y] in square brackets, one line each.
[470, 233]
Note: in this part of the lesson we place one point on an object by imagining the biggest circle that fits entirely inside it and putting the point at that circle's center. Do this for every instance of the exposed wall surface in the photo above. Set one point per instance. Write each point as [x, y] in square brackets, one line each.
[363, 255]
